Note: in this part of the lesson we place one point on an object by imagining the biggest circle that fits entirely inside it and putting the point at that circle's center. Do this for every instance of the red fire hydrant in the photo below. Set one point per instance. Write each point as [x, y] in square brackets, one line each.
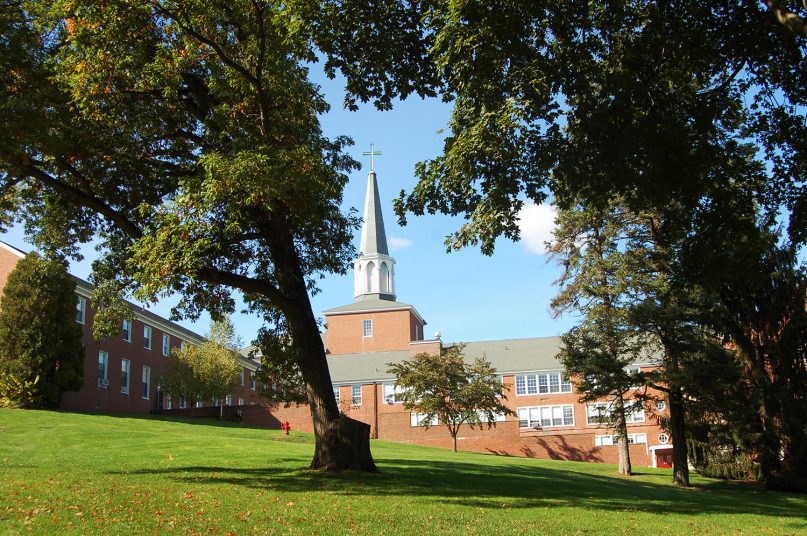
[286, 427]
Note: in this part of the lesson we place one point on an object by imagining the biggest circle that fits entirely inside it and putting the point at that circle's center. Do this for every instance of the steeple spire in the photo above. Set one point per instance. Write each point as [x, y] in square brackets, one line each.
[374, 270]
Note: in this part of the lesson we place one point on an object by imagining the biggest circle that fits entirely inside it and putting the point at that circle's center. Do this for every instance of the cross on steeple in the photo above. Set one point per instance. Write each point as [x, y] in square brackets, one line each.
[372, 153]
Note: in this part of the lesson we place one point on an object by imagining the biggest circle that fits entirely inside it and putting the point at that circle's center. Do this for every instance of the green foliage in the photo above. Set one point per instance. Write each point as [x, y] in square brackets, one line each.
[17, 393]
[39, 335]
[446, 387]
[210, 370]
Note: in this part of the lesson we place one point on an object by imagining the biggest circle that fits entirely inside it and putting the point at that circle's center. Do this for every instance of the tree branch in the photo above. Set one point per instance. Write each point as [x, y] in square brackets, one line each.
[245, 284]
[787, 18]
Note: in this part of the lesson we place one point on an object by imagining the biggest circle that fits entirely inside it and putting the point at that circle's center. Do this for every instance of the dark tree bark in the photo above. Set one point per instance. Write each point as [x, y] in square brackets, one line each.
[678, 431]
[625, 467]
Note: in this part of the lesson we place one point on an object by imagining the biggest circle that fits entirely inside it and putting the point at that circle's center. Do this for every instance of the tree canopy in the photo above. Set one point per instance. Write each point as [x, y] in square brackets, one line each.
[39, 335]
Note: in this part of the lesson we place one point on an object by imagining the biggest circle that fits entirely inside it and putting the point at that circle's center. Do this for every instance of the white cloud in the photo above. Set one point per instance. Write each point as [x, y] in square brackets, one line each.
[396, 243]
[536, 223]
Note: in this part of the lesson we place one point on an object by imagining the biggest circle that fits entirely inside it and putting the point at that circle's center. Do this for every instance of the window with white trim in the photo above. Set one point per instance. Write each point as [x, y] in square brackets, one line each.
[125, 367]
[240, 401]
[168, 402]
[183, 403]
[483, 416]
[146, 381]
[127, 330]
[241, 376]
[252, 380]
[660, 405]
[597, 413]
[610, 440]
[544, 383]
[367, 328]
[355, 395]
[216, 402]
[392, 393]
[166, 344]
[81, 310]
[103, 364]
[419, 419]
[228, 400]
[147, 337]
[336, 395]
[199, 402]
[546, 416]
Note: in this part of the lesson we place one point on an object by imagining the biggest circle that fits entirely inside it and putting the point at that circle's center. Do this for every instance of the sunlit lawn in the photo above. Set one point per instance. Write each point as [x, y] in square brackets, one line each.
[83, 474]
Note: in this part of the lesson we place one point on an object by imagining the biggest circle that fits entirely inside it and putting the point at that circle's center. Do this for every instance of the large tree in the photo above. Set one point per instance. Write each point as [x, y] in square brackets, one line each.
[446, 388]
[184, 138]
[39, 335]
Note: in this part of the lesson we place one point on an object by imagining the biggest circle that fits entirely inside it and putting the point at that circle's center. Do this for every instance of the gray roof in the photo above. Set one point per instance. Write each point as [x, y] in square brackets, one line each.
[371, 305]
[373, 237]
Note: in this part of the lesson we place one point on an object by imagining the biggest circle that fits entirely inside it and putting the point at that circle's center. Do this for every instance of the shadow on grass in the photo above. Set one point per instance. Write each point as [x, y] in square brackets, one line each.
[514, 486]
[200, 421]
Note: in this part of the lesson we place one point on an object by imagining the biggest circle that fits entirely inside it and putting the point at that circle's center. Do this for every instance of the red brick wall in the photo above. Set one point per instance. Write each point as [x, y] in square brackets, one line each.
[392, 330]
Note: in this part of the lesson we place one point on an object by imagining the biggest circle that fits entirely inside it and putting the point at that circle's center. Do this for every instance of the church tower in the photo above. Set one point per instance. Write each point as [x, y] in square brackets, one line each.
[374, 270]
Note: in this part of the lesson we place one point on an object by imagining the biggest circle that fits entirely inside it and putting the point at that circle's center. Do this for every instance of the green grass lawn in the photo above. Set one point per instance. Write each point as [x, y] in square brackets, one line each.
[65, 473]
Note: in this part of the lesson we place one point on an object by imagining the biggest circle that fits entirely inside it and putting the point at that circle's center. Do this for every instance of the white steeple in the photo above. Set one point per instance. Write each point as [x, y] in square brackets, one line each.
[374, 270]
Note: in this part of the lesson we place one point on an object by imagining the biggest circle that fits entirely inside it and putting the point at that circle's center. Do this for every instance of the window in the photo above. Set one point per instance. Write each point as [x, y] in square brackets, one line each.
[597, 413]
[483, 417]
[228, 400]
[546, 416]
[552, 382]
[103, 361]
[183, 403]
[336, 390]
[166, 344]
[355, 392]
[199, 402]
[663, 439]
[168, 403]
[240, 401]
[125, 367]
[182, 345]
[241, 376]
[391, 393]
[419, 419]
[367, 328]
[252, 381]
[216, 402]
[81, 310]
[127, 330]
[610, 440]
[147, 337]
[146, 381]
[660, 405]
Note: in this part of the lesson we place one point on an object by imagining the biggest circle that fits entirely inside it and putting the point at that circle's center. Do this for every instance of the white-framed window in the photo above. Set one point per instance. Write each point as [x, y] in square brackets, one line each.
[166, 344]
[183, 403]
[240, 401]
[546, 416]
[391, 393]
[199, 402]
[125, 368]
[483, 416]
[336, 394]
[182, 345]
[610, 440]
[355, 395]
[216, 402]
[168, 402]
[597, 412]
[367, 328]
[146, 382]
[147, 337]
[660, 405]
[103, 369]
[252, 380]
[544, 383]
[81, 310]
[241, 376]
[127, 330]
[419, 419]
[663, 439]
[228, 400]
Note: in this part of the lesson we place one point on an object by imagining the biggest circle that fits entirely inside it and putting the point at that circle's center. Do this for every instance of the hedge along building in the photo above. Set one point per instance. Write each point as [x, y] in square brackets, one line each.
[364, 336]
[122, 372]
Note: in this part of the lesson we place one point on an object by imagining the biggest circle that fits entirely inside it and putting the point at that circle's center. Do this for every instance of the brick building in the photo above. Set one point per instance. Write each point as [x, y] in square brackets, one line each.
[362, 337]
[121, 373]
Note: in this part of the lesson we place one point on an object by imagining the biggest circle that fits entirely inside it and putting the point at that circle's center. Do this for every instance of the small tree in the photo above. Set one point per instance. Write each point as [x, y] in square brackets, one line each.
[210, 370]
[39, 335]
[456, 392]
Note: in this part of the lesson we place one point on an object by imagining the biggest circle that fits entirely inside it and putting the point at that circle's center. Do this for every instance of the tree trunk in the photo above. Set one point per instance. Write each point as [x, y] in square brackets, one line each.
[454, 442]
[678, 431]
[340, 442]
[622, 433]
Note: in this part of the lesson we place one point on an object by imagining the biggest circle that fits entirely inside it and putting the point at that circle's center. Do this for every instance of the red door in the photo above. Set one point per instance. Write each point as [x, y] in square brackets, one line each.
[664, 458]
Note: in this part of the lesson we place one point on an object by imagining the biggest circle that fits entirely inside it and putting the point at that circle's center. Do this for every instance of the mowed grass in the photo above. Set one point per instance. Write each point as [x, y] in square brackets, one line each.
[66, 473]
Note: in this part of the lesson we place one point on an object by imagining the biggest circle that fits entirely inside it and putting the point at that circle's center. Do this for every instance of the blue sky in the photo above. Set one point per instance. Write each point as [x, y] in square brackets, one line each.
[464, 295]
